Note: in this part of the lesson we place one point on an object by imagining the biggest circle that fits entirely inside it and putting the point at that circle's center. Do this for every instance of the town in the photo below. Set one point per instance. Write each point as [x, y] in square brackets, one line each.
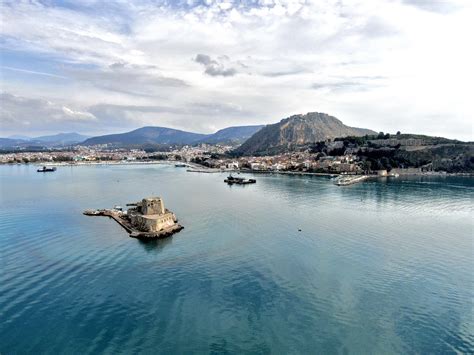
[211, 158]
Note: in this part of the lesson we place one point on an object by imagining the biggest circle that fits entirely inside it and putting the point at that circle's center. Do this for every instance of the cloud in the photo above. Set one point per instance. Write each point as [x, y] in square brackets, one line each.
[32, 72]
[356, 83]
[139, 80]
[295, 71]
[438, 6]
[341, 86]
[128, 63]
[20, 113]
[214, 67]
[203, 114]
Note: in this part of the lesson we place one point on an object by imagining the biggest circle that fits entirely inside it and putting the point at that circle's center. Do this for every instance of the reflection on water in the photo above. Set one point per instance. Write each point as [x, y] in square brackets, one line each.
[292, 264]
[155, 245]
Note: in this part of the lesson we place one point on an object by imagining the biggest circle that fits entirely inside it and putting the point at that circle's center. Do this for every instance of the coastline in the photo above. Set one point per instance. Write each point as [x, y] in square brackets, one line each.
[205, 169]
[193, 167]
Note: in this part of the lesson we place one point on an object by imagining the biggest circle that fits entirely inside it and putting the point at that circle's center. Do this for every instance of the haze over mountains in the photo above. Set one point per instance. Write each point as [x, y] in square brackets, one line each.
[60, 139]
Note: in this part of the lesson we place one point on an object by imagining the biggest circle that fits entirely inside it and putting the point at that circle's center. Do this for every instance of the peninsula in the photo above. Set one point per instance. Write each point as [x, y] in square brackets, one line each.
[145, 219]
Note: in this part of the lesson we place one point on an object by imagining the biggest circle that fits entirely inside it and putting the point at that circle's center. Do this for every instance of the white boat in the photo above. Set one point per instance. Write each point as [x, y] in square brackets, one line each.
[349, 180]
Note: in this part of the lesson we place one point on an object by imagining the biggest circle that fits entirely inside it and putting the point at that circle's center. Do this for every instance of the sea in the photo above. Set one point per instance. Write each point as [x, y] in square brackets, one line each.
[289, 265]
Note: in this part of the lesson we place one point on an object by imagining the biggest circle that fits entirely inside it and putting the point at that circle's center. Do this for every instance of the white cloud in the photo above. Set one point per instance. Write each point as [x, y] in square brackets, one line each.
[388, 65]
[20, 113]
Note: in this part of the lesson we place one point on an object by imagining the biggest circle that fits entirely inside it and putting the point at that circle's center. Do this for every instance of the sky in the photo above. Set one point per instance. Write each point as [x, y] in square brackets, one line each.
[97, 67]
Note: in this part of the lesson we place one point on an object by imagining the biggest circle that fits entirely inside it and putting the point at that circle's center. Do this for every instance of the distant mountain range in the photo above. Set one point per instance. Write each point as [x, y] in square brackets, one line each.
[56, 140]
[163, 135]
[63, 138]
[297, 130]
[289, 132]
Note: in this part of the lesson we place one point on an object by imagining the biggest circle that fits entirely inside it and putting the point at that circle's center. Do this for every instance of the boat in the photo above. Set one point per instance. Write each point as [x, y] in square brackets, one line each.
[180, 165]
[239, 181]
[349, 180]
[44, 169]
[94, 212]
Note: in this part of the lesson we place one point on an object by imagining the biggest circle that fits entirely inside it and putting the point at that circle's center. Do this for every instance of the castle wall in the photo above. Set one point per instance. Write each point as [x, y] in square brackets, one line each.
[153, 223]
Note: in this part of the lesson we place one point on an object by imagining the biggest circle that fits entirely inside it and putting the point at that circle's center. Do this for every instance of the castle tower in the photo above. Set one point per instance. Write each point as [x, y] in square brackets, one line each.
[152, 205]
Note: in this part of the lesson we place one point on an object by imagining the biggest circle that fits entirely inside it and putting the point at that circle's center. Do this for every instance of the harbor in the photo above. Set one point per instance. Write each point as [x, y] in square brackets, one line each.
[146, 219]
[232, 235]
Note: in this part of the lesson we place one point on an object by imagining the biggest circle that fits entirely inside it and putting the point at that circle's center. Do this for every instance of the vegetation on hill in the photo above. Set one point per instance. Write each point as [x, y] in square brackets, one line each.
[383, 151]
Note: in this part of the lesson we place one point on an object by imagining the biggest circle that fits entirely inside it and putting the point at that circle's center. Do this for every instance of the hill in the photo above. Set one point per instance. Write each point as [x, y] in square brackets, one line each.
[147, 135]
[297, 130]
[163, 135]
[11, 142]
[62, 138]
[232, 134]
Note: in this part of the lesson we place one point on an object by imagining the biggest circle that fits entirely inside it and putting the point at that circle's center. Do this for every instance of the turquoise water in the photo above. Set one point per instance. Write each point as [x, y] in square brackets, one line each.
[378, 267]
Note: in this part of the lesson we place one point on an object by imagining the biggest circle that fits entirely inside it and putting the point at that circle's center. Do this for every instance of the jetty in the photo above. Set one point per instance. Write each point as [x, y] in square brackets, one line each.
[145, 219]
[206, 170]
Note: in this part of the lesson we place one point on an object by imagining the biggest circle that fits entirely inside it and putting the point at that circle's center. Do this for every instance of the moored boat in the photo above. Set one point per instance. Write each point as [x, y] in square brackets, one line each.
[44, 169]
[239, 181]
[349, 180]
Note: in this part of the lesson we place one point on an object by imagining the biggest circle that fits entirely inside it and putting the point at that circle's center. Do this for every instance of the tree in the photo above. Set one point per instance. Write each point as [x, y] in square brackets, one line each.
[381, 135]
[398, 133]
[366, 166]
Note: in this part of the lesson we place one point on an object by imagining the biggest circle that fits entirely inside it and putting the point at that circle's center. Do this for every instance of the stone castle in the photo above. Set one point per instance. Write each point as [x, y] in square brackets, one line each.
[150, 215]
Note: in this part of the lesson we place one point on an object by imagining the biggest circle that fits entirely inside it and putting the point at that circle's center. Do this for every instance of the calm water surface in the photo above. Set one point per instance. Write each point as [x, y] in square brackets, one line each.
[378, 267]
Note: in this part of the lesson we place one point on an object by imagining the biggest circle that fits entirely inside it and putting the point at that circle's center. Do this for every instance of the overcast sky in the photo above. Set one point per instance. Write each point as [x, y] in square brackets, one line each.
[110, 66]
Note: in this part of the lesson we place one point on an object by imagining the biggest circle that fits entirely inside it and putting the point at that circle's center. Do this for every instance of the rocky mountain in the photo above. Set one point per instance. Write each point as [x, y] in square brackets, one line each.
[297, 130]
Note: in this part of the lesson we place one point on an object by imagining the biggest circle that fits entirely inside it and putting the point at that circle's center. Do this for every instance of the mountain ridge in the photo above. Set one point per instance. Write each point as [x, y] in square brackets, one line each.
[297, 130]
[233, 134]
[164, 135]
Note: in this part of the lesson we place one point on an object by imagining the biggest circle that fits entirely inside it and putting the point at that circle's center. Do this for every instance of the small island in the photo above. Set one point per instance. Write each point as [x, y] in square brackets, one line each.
[145, 219]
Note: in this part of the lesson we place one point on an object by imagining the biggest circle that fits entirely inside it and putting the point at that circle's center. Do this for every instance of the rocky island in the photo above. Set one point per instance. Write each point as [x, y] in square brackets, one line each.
[145, 219]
